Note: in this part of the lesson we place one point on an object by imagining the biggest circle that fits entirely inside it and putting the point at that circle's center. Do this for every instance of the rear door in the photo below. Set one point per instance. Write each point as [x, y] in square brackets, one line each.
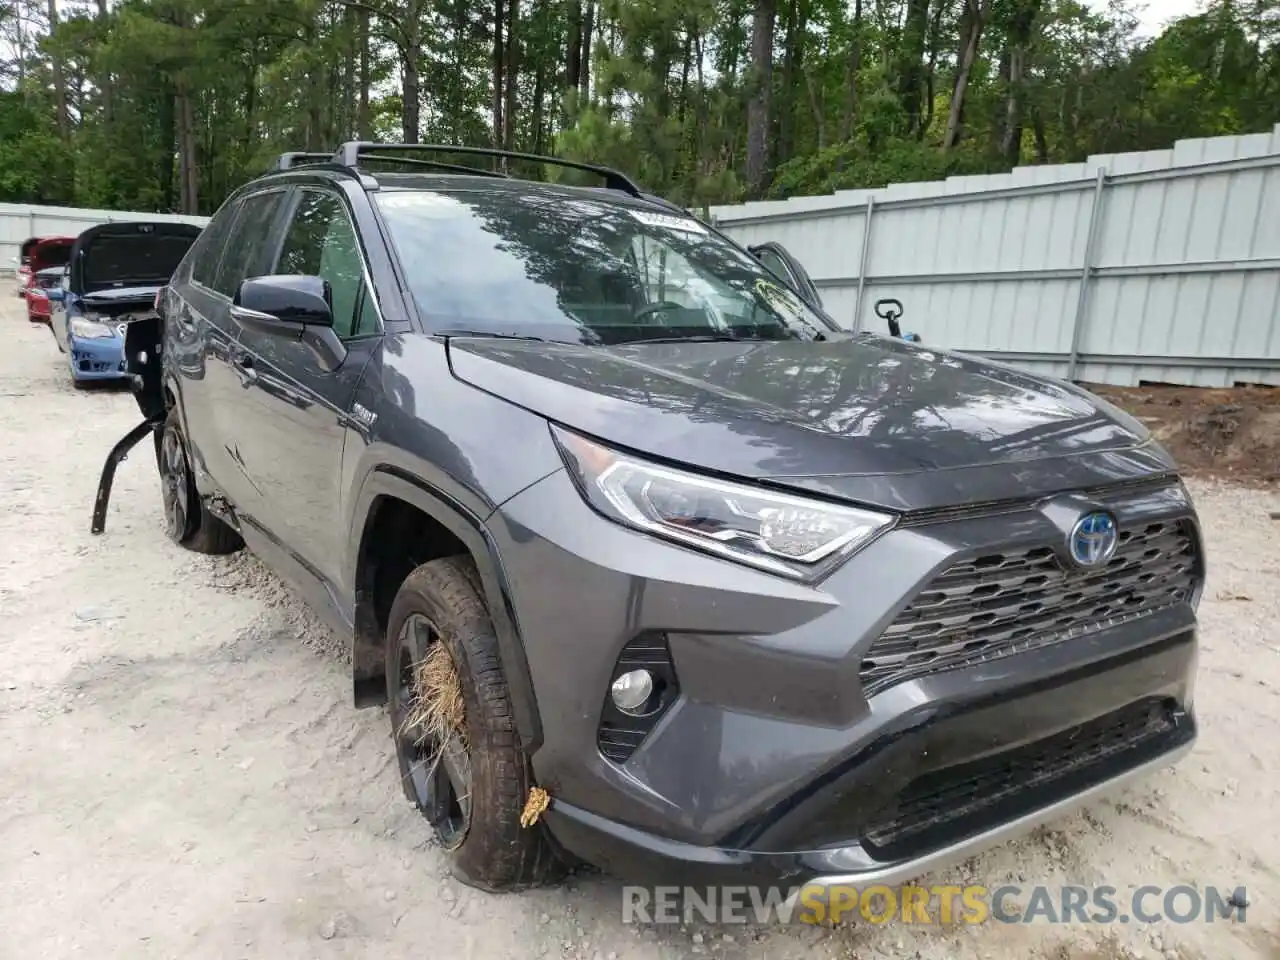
[295, 415]
[786, 267]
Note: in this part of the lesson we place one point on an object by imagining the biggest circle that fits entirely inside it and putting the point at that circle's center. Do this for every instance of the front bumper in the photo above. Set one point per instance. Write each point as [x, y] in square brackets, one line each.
[772, 762]
[857, 797]
[97, 359]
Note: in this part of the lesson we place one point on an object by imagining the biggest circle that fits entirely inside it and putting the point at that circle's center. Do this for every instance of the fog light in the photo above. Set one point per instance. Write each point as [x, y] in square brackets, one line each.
[631, 691]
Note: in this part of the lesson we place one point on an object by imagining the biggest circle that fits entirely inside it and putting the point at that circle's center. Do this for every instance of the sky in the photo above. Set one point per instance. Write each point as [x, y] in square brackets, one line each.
[1152, 18]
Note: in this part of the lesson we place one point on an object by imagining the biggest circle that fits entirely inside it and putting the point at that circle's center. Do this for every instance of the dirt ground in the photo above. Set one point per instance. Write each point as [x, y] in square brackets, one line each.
[182, 774]
[1231, 434]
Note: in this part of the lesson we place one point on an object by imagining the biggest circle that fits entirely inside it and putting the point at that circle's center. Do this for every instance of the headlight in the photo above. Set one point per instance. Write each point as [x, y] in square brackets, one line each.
[792, 536]
[90, 329]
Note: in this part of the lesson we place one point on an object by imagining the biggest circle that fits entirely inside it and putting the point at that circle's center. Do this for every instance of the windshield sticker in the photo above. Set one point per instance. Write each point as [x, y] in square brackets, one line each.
[779, 299]
[668, 222]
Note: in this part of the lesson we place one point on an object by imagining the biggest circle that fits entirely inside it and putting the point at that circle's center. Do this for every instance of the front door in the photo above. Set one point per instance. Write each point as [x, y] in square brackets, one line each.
[788, 269]
[297, 418]
[202, 338]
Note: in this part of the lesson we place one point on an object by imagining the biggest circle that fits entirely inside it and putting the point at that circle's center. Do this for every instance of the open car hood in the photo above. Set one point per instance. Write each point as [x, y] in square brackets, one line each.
[124, 255]
[49, 252]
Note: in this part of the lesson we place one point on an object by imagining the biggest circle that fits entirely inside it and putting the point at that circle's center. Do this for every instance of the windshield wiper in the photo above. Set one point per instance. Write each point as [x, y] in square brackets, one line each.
[698, 338]
[490, 334]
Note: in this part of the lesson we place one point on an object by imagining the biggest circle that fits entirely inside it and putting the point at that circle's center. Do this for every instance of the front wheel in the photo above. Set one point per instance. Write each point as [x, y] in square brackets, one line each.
[460, 758]
[186, 521]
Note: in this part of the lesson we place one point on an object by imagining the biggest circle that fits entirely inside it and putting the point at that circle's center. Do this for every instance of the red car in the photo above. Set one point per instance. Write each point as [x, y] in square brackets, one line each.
[40, 253]
[39, 307]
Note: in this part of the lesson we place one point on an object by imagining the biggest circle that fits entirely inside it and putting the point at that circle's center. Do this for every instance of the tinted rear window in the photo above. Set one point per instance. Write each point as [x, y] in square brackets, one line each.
[133, 258]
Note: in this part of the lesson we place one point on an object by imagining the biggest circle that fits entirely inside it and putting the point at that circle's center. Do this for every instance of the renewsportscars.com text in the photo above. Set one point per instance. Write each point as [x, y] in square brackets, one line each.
[933, 905]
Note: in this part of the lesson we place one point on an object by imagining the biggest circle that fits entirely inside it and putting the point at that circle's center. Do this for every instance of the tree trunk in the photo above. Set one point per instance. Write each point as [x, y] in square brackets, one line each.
[498, 65]
[364, 119]
[512, 75]
[411, 64]
[1042, 139]
[975, 13]
[315, 91]
[588, 38]
[536, 120]
[1018, 52]
[819, 115]
[168, 137]
[849, 116]
[104, 79]
[573, 46]
[188, 174]
[762, 23]
[685, 66]
[792, 67]
[911, 62]
[931, 74]
[59, 78]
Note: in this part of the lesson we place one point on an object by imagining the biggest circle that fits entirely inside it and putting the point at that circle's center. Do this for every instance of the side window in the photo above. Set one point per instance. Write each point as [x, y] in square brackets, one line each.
[246, 239]
[322, 242]
[208, 248]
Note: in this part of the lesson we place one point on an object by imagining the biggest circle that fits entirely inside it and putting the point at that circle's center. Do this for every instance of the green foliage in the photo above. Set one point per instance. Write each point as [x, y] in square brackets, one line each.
[161, 104]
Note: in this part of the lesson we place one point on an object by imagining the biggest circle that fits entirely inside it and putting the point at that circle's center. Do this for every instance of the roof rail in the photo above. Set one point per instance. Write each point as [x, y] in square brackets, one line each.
[287, 161]
[435, 165]
[350, 154]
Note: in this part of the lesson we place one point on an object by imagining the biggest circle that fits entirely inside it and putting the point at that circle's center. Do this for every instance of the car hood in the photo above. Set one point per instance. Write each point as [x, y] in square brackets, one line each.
[866, 417]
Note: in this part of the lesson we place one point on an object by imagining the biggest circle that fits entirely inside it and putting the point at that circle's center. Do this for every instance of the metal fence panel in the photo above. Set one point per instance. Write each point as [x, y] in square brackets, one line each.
[1161, 266]
[20, 221]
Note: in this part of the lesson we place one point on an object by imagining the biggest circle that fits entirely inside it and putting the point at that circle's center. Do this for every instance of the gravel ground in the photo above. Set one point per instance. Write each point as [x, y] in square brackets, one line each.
[184, 776]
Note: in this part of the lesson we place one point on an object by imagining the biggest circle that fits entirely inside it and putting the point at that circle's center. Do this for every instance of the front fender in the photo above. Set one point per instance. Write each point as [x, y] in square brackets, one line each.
[367, 655]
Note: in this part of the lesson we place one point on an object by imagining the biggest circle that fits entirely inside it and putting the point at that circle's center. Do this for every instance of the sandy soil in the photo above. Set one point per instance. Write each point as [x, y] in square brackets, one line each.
[1226, 433]
[183, 774]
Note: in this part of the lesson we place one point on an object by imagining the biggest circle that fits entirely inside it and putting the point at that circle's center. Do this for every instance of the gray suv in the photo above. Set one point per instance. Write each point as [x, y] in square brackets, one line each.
[652, 564]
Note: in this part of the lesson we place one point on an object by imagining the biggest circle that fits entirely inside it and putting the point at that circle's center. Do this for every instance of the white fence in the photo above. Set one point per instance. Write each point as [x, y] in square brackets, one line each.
[1161, 266]
[20, 221]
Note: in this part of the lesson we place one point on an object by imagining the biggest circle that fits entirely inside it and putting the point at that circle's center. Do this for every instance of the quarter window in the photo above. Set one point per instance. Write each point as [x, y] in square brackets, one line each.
[322, 242]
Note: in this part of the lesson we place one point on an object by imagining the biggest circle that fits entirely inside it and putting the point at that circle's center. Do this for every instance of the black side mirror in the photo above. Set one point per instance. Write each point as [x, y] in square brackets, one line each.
[294, 301]
[292, 307]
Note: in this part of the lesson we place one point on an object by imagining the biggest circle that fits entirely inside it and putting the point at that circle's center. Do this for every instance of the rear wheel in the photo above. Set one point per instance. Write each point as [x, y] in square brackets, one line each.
[186, 521]
[467, 775]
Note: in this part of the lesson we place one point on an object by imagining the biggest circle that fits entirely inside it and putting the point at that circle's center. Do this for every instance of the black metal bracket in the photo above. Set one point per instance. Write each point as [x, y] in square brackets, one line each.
[287, 161]
[118, 454]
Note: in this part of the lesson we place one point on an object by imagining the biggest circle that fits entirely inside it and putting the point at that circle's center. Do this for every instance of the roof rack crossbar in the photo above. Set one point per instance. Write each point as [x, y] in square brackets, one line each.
[287, 161]
[433, 164]
[349, 155]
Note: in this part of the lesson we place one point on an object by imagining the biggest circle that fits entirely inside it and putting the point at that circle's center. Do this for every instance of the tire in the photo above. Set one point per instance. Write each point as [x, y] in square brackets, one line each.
[439, 602]
[187, 522]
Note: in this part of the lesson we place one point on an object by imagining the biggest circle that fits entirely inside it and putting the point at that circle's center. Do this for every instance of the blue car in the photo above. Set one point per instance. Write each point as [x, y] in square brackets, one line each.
[115, 271]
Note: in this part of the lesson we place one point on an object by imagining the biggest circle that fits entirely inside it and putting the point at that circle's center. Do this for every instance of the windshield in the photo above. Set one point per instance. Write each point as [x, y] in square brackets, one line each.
[568, 268]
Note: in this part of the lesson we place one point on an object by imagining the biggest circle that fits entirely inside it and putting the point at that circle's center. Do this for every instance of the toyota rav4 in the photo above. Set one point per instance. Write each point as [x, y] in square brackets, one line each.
[652, 563]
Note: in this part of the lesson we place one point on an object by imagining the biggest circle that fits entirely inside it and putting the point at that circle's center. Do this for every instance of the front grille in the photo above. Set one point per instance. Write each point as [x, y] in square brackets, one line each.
[1003, 603]
[946, 806]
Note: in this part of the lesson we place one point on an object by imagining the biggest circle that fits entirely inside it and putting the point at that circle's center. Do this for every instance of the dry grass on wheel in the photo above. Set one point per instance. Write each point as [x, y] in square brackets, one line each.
[437, 713]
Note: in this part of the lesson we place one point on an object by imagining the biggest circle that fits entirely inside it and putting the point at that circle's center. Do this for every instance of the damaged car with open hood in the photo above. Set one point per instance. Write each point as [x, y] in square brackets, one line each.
[651, 563]
[113, 275]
